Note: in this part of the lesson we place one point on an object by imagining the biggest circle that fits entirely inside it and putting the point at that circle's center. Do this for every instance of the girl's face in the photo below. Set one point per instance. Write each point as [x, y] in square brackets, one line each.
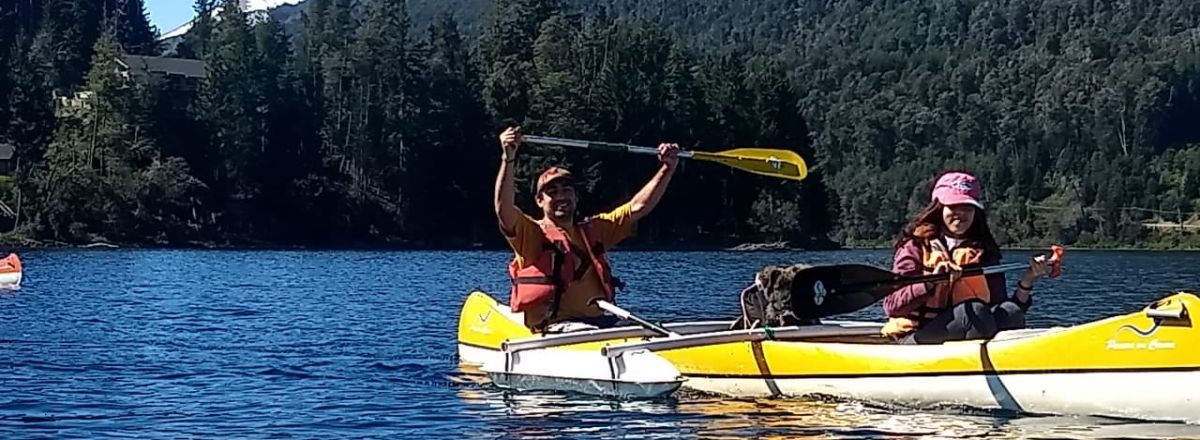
[958, 218]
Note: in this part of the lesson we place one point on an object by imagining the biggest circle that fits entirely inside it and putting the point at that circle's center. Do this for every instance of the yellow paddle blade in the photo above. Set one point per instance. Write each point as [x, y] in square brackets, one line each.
[775, 163]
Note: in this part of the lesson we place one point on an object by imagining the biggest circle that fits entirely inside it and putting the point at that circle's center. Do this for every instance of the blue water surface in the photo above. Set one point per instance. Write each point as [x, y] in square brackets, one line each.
[308, 344]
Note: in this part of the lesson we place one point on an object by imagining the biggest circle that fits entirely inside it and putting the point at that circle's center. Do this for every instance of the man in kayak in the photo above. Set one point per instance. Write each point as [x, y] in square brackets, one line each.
[559, 269]
[951, 232]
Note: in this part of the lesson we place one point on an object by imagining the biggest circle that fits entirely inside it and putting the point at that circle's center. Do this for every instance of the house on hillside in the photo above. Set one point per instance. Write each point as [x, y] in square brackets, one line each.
[180, 76]
[144, 66]
[8, 218]
[7, 164]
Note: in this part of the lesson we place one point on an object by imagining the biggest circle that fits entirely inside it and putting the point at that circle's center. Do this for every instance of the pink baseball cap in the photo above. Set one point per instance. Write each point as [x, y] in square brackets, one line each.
[957, 188]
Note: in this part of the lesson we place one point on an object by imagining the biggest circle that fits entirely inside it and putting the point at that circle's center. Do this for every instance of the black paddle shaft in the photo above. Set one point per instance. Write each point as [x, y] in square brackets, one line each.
[823, 291]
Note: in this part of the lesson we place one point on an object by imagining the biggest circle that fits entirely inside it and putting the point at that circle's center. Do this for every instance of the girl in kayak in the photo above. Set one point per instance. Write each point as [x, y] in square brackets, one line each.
[950, 233]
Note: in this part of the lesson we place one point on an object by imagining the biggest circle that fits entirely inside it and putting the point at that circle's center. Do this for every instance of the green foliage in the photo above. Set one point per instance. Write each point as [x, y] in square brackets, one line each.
[775, 215]
[104, 178]
[453, 125]
[231, 103]
[377, 122]
[65, 39]
[195, 43]
[132, 27]
[506, 55]
[1062, 109]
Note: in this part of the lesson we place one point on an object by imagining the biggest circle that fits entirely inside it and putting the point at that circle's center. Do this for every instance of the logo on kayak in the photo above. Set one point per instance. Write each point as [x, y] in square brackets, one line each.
[481, 327]
[818, 292]
[1115, 343]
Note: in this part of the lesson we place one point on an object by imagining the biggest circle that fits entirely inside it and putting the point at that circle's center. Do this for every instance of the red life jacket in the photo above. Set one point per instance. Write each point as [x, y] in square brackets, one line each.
[553, 272]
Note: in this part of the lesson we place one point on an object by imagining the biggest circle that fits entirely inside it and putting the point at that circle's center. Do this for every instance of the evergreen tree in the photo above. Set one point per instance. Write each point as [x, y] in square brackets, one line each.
[455, 124]
[104, 177]
[558, 104]
[28, 108]
[285, 142]
[231, 103]
[388, 110]
[506, 55]
[65, 39]
[195, 43]
[333, 47]
[1079, 118]
[132, 27]
[308, 51]
[18, 18]
[8, 36]
[781, 210]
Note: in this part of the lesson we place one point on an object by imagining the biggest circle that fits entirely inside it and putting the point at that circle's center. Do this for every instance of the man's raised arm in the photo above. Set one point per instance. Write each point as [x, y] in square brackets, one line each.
[647, 198]
[505, 200]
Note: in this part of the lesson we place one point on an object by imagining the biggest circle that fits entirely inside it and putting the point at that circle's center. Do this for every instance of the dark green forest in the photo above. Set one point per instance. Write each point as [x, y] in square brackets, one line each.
[344, 123]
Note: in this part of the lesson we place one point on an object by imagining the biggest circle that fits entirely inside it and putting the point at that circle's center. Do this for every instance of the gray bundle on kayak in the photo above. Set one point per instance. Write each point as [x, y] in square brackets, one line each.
[769, 301]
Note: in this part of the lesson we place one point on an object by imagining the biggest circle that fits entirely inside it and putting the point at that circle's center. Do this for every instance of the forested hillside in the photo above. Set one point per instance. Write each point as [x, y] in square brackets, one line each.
[332, 126]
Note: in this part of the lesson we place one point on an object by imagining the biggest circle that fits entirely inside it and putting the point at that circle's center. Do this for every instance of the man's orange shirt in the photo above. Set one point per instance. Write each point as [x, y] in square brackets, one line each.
[528, 242]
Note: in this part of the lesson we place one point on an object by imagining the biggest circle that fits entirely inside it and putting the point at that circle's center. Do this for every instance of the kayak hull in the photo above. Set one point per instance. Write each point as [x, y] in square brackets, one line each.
[10, 272]
[10, 279]
[636, 375]
[1162, 395]
[1142, 365]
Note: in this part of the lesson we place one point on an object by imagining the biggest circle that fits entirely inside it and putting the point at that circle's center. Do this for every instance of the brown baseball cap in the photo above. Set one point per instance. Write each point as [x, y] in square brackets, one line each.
[551, 174]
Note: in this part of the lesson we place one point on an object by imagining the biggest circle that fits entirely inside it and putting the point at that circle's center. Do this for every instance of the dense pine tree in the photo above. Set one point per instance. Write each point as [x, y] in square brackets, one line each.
[385, 105]
[65, 39]
[231, 100]
[104, 177]
[132, 27]
[454, 125]
[26, 114]
[506, 55]
[377, 121]
[196, 42]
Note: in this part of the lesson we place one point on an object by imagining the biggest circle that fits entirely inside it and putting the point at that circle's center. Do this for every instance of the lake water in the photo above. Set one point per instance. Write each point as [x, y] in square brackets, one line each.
[258, 344]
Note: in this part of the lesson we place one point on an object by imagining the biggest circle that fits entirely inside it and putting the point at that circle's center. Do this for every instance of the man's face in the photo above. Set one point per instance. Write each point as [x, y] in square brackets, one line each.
[557, 200]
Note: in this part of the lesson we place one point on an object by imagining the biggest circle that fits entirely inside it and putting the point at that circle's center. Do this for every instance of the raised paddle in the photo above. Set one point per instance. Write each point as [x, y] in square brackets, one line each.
[784, 164]
[823, 291]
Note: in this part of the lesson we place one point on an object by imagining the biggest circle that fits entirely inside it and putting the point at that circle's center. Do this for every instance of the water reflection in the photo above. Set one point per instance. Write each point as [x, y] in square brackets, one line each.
[802, 418]
[536, 415]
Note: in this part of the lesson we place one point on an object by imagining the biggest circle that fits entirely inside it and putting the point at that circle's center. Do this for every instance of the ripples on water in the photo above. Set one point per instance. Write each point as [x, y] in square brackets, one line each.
[155, 344]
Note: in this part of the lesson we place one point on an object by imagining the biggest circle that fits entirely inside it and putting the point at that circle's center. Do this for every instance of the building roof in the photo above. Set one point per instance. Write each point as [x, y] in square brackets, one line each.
[162, 65]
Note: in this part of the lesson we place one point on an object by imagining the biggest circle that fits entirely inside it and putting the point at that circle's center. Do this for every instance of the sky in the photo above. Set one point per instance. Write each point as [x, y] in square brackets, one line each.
[169, 14]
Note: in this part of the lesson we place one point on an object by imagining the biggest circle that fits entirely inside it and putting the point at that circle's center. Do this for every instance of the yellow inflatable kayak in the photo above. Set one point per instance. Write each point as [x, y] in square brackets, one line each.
[1142, 365]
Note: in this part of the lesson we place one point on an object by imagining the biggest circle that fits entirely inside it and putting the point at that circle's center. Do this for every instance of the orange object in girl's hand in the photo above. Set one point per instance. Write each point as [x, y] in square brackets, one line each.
[1056, 260]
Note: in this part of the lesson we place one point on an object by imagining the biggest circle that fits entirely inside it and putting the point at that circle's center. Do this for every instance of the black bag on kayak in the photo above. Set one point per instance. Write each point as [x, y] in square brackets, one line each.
[769, 301]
